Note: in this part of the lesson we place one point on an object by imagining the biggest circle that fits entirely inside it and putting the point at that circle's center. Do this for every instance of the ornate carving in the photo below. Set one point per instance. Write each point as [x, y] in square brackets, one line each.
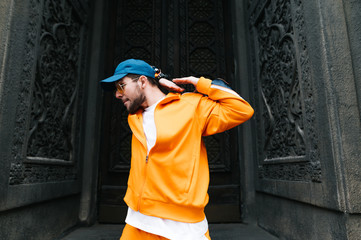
[305, 171]
[285, 107]
[47, 124]
[28, 174]
[138, 31]
[52, 121]
[201, 34]
[23, 106]
[202, 9]
[279, 84]
[171, 38]
[218, 152]
[120, 138]
[205, 51]
[205, 55]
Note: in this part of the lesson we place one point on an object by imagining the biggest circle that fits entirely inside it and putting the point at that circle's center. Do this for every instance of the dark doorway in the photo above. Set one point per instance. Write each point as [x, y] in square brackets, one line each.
[182, 38]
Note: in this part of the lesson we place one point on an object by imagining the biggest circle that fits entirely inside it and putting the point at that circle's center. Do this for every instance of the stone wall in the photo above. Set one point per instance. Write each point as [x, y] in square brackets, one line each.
[46, 220]
[305, 75]
[42, 54]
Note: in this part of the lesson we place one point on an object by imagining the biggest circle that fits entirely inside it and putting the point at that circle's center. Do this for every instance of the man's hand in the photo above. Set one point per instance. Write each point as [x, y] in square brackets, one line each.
[170, 85]
[186, 80]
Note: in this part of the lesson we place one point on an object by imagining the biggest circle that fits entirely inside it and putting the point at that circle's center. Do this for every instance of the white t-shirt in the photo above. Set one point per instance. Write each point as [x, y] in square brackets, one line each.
[163, 227]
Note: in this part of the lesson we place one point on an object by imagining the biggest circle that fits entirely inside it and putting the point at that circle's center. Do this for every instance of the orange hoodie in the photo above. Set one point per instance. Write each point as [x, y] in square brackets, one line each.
[172, 181]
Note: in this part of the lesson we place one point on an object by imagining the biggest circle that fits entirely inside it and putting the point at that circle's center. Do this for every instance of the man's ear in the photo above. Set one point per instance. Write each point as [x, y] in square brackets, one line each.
[143, 80]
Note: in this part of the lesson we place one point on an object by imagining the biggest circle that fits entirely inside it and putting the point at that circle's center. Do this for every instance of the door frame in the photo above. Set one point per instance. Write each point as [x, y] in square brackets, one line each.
[98, 70]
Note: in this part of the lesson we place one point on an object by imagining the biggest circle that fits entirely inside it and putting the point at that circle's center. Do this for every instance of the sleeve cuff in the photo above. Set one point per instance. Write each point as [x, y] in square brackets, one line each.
[220, 82]
[203, 85]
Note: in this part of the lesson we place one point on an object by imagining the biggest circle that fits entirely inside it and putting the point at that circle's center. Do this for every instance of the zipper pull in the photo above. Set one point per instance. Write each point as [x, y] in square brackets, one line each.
[146, 159]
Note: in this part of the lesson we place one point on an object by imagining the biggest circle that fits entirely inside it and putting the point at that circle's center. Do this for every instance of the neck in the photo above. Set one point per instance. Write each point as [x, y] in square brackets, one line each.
[152, 95]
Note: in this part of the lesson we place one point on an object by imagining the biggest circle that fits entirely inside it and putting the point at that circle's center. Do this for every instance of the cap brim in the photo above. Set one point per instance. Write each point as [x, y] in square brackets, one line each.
[113, 78]
[108, 83]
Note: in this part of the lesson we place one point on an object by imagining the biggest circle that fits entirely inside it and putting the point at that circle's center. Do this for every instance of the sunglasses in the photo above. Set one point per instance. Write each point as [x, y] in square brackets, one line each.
[121, 87]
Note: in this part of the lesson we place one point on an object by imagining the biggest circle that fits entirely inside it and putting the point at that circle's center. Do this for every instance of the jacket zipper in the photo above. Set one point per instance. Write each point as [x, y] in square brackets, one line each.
[145, 171]
[145, 178]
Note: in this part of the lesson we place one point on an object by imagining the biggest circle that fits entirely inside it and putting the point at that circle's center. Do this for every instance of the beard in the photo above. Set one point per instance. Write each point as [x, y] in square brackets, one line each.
[136, 103]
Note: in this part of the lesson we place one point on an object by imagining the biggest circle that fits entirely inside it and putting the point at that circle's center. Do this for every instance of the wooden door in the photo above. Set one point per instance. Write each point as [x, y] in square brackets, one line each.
[182, 38]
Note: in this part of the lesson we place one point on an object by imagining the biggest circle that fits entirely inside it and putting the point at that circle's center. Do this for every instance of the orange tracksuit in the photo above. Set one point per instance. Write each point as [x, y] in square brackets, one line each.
[172, 181]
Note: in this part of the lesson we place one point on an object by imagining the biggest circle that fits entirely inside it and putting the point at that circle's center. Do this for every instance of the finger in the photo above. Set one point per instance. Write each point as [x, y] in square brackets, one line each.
[186, 80]
[174, 86]
[177, 89]
[181, 81]
[170, 85]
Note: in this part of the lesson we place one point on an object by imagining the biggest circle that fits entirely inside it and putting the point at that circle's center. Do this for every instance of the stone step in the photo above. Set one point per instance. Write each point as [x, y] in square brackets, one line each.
[217, 232]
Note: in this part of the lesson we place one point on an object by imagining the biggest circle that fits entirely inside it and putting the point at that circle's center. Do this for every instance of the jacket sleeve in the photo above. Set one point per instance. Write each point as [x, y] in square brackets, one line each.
[221, 108]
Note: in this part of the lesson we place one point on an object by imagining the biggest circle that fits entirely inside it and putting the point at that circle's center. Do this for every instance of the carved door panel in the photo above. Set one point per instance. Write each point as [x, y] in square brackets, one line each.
[182, 38]
[287, 151]
[46, 135]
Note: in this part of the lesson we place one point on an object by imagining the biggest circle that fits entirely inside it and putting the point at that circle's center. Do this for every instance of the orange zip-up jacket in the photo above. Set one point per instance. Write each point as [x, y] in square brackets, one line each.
[172, 181]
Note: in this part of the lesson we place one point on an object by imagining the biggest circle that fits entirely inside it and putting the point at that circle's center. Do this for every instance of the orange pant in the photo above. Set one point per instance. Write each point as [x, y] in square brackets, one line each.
[132, 233]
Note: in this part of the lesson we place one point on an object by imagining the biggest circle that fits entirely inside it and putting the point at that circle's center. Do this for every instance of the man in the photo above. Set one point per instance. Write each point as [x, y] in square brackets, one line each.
[169, 175]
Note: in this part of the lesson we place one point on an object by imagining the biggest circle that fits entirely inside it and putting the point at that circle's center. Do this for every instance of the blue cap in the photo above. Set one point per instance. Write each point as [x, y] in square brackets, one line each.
[133, 66]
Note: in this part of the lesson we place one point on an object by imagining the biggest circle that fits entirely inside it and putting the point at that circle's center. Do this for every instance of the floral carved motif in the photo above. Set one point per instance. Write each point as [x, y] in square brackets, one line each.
[47, 125]
[280, 84]
[56, 84]
[285, 116]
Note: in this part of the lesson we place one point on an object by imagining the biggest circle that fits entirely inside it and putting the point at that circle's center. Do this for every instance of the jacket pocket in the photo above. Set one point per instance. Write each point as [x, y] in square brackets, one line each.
[170, 180]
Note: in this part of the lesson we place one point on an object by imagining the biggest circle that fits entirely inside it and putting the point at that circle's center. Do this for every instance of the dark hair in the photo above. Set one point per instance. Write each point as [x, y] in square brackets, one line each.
[152, 81]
